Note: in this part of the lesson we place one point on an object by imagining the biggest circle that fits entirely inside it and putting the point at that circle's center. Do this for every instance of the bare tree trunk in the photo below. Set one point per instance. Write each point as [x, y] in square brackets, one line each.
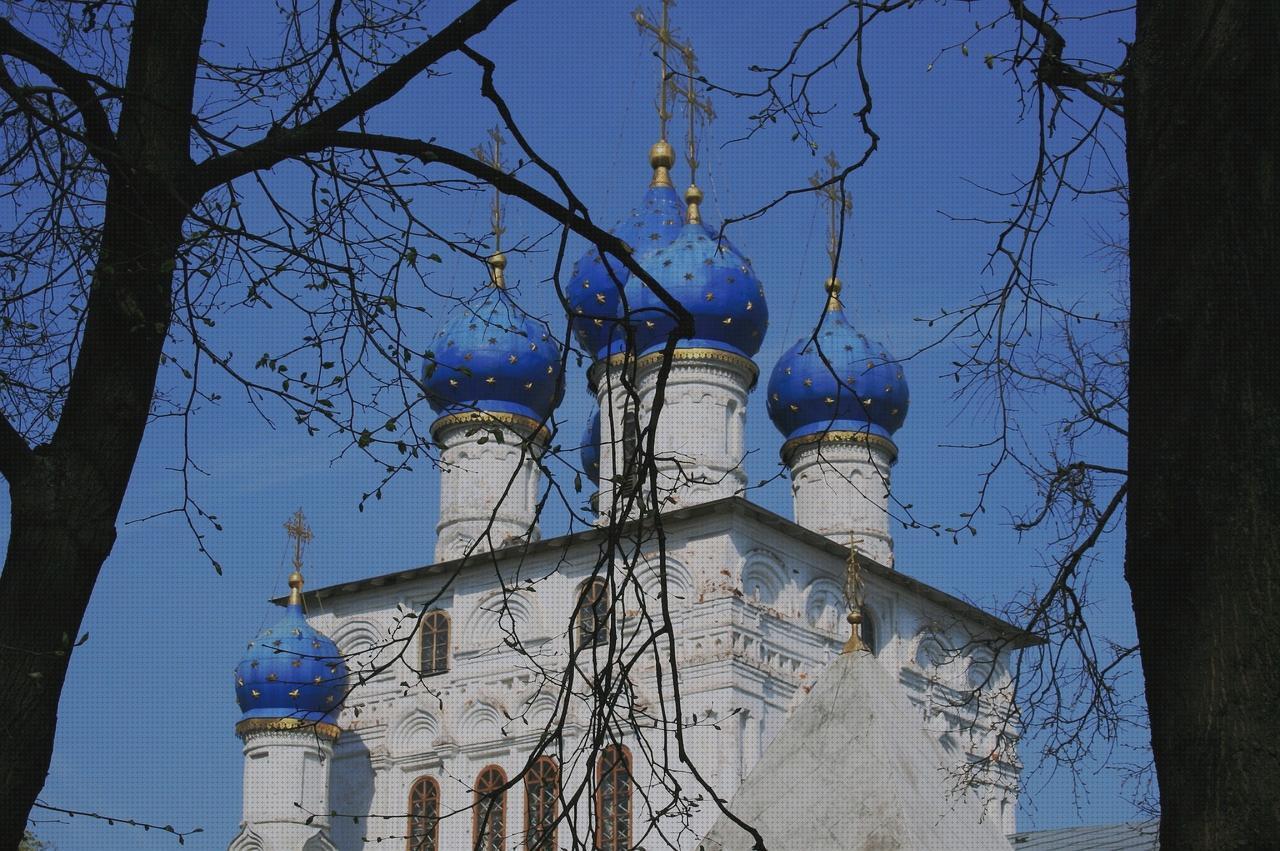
[1203, 547]
[66, 495]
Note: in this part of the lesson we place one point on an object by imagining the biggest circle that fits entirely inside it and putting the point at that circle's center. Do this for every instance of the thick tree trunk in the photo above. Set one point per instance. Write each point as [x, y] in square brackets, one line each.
[1203, 548]
[66, 495]
[64, 506]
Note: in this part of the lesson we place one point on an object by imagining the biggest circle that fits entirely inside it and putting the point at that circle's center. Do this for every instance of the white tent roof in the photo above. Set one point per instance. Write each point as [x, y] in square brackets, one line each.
[853, 769]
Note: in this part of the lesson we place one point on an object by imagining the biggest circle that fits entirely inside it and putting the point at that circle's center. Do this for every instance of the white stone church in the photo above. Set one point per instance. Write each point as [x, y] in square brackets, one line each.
[521, 691]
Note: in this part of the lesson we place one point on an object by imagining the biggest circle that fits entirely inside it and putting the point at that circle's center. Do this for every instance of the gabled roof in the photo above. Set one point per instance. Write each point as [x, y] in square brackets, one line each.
[736, 506]
[1130, 836]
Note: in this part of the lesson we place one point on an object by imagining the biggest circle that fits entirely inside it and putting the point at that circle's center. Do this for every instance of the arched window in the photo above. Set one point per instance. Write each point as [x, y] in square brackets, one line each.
[489, 826]
[868, 632]
[435, 643]
[613, 800]
[593, 614]
[424, 815]
[630, 450]
[541, 797]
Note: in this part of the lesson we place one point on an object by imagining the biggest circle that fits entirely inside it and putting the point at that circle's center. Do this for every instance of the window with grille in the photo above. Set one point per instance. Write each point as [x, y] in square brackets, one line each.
[424, 815]
[593, 614]
[490, 812]
[435, 643]
[541, 797]
[613, 800]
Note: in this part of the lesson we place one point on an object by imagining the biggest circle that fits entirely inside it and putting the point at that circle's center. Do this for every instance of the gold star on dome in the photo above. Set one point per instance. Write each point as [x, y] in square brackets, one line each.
[490, 380]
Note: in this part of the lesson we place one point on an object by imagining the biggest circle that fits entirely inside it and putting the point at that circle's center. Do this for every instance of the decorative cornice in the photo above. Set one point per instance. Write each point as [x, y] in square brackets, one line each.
[321, 729]
[839, 436]
[702, 354]
[698, 354]
[536, 431]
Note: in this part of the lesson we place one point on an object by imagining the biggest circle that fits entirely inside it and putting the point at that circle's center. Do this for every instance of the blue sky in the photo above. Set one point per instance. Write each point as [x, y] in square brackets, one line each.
[145, 727]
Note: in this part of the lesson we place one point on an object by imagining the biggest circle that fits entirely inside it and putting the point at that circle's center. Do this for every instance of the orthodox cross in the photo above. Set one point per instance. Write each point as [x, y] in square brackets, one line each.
[699, 110]
[853, 590]
[296, 527]
[663, 35]
[491, 155]
[838, 204]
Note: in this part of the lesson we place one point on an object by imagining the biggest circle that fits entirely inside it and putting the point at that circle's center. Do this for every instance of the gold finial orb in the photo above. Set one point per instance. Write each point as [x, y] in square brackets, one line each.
[497, 263]
[661, 158]
[693, 197]
[833, 287]
[854, 618]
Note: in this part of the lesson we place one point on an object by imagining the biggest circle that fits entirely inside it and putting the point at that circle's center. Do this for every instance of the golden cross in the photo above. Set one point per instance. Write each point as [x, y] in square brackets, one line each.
[698, 109]
[492, 157]
[297, 528]
[838, 204]
[665, 39]
[853, 590]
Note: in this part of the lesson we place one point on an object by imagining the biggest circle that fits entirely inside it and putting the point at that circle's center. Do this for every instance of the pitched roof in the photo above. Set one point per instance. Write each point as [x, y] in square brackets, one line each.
[1130, 836]
[733, 505]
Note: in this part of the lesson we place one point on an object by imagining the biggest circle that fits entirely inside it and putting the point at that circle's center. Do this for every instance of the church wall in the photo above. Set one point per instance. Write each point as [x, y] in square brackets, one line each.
[758, 616]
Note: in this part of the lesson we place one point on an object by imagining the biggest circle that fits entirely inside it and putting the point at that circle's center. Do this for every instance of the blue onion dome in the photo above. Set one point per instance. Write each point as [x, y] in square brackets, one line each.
[593, 294]
[494, 358]
[712, 281]
[867, 393]
[590, 451]
[292, 674]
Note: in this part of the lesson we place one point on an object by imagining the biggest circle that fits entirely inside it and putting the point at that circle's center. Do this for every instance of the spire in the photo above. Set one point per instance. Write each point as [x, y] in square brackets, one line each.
[697, 110]
[296, 527]
[492, 157]
[661, 157]
[838, 206]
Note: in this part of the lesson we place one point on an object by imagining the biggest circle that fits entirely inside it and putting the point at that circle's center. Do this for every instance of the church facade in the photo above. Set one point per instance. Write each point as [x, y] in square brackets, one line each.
[603, 688]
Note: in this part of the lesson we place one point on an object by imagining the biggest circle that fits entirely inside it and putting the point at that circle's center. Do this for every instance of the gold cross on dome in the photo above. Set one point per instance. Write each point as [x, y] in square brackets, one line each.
[838, 203]
[662, 33]
[296, 527]
[491, 155]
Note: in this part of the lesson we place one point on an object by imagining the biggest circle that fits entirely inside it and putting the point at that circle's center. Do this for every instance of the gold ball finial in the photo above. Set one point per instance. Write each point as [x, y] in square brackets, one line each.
[497, 263]
[693, 197]
[661, 158]
[855, 617]
[295, 588]
[833, 287]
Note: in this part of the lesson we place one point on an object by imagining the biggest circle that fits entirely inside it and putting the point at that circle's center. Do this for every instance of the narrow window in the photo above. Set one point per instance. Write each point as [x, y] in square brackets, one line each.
[424, 815]
[541, 796]
[630, 450]
[435, 643]
[490, 820]
[868, 631]
[613, 799]
[593, 614]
